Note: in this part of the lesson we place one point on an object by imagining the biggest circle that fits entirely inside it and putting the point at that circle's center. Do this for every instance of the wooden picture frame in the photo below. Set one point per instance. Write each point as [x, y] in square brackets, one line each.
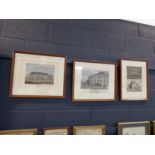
[57, 131]
[153, 127]
[36, 75]
[83, 87]
[134, 80]
[19, 132]
[89, 130]
[134, 128]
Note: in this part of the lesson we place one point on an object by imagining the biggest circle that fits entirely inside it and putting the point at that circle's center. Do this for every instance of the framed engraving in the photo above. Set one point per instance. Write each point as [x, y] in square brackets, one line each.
[19, 132]
[134, 128]
[153, 125]
[134, 80]
[89, 130]
[56, 131]
[94, 81]
[37, 75]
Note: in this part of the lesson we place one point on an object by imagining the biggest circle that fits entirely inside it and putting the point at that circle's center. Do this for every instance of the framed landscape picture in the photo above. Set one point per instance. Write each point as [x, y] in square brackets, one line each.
[134, 80]
[89, 130]
[19, 132]
[134, 128]
[94, 81]
[56, 131]
[37, 75]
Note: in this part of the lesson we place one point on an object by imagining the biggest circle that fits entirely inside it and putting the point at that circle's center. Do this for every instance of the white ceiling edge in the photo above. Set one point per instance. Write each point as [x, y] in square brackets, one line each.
[143, 21]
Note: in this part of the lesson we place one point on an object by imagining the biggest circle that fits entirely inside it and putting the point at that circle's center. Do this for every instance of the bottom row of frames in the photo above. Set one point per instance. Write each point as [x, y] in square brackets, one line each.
[123, 128]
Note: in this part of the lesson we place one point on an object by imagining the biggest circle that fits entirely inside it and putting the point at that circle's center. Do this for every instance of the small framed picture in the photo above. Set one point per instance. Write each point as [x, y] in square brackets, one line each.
[153, 125]
[134, 80]
[19, 132]
[134, 128]
[94, 81]
[57, 131]
[89, 130]
[37, 75]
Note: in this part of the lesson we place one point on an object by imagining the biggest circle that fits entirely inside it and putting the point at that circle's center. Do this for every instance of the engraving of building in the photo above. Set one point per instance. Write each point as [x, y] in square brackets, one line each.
[98, 80]
[39, 78]
[134, 86]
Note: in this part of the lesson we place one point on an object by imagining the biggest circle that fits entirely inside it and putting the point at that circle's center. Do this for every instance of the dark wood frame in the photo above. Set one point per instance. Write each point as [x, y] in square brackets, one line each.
[153, 127]
[55, 128]
[147, 79]
[36, 96]
[122, 125]
[92, 100]
[90, 127]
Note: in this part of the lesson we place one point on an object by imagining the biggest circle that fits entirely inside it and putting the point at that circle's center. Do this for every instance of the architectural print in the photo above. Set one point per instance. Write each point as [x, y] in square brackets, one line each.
[93, 79]
[134, 79]
[134, 128]
[39, 74]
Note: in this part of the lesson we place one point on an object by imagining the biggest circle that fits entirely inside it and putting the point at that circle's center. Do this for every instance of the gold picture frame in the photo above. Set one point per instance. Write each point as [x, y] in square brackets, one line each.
[89, 130]
[56, 131]
[19, 132]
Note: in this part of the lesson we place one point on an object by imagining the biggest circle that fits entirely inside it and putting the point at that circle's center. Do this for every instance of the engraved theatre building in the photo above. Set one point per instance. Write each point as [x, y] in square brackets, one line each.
[99, 80]
[38, 78]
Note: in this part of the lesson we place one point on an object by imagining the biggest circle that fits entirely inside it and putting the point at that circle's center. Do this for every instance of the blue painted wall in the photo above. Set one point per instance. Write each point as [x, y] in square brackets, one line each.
[77, 39]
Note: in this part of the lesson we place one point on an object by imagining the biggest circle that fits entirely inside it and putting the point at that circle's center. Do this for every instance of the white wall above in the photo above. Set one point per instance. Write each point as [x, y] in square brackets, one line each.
[144, 21]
